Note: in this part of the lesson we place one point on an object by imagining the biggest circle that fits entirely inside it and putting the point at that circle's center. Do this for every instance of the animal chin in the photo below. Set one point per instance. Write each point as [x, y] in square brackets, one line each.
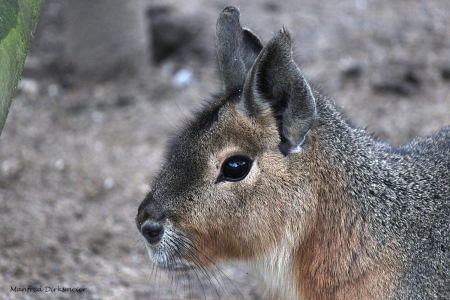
[169, 261]
[175, 265]
[179, 267]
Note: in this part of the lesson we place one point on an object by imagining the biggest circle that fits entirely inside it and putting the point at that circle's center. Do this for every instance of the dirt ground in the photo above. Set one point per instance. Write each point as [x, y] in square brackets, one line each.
[77, 159]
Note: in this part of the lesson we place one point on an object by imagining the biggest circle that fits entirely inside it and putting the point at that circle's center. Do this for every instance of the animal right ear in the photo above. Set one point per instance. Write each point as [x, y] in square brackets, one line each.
[237, 49]
[276, 85]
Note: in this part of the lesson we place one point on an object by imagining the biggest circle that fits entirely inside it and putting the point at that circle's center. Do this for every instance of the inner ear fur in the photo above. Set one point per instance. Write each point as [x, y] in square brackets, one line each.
[275, 83]
[237, 49]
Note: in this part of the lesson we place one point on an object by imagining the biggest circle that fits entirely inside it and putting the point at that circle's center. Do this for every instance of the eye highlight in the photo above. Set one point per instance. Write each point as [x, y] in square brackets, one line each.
[235, 168]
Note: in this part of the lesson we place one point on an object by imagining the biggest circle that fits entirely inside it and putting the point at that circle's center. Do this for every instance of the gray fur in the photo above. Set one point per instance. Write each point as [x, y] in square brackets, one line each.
[357, 218]
[237, 48]
[275, 78]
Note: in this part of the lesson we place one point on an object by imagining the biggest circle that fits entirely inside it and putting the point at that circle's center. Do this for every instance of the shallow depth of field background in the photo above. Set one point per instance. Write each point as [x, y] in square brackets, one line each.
[87, 128]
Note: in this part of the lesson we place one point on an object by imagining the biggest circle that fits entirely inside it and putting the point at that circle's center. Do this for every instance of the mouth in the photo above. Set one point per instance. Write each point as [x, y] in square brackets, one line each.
[169, 262]
[171, 253]
[178, 267]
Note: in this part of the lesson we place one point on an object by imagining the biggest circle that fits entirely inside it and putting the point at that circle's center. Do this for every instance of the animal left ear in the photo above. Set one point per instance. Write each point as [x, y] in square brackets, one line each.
[237, 49]
[275, 84]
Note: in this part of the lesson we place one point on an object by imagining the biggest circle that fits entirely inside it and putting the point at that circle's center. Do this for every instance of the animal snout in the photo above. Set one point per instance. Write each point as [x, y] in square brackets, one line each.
[152, 232]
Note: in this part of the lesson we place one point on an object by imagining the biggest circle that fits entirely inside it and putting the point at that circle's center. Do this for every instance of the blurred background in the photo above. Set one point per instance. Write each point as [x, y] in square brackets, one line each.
[107, 82]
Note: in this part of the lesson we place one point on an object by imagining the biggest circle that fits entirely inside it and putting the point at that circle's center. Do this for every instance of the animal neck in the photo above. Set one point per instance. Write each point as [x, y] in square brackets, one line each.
[275, 268]
[341, 254]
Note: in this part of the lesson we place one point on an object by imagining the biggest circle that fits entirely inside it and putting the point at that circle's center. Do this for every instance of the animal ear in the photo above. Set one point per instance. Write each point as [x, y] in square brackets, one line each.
[275, 84]
[237, 49]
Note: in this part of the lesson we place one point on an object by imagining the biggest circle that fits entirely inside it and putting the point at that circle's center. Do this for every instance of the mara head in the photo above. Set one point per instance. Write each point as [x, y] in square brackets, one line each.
[227, 187]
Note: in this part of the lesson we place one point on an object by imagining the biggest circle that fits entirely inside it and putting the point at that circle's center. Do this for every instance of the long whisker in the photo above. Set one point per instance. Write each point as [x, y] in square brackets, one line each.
[207, 270]
[179, 246]
[183, 251]
[192, 246]
[186, 265]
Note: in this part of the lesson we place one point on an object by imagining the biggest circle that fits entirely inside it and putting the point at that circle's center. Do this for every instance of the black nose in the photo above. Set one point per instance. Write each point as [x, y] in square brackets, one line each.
[152, 232]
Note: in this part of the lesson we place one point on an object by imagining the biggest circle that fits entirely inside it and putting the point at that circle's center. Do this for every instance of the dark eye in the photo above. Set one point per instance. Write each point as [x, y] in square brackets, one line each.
[235, 168]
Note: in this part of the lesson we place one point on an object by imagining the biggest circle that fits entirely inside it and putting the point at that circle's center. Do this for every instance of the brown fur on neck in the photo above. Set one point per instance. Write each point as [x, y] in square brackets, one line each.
[339, 258]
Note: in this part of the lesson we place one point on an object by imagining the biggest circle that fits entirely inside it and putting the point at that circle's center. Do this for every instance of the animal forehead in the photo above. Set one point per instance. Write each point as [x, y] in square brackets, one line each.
[219, 112]
[216, 126]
